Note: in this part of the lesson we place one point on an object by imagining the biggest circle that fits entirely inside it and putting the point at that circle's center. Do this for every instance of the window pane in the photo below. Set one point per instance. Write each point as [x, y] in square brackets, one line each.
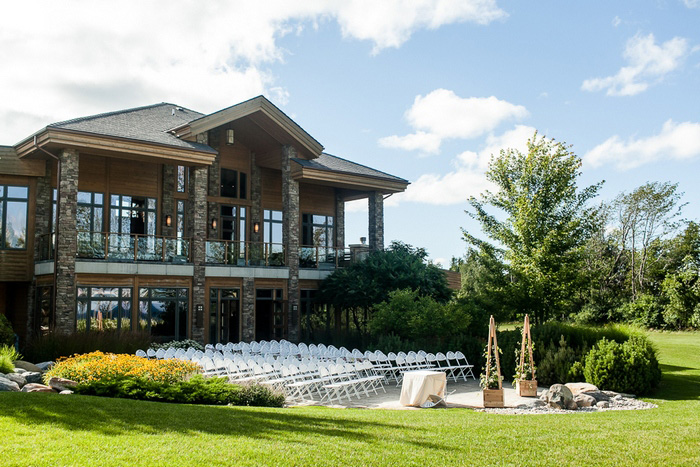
[126, 292]
[229, 181]
[98, 198]
[84, 197]
[83, 218]
[180, 179]
[243, 188]
[81, 317]
[17, 192]
[277, 215]
[143, 315]
[97, 220]
[319, 220]
[182, 321]
[163, 318]
[114, 200]
[2, 191]
[125, 324]
[16, 224]
[276, 233]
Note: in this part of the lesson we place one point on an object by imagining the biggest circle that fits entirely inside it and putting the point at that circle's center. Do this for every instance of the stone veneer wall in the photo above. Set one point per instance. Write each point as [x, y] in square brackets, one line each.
[290, 238]
[42, 227]
[255, 198]
[213, 183]
[376, 221]
[168, 200]
[248, 309]
[339, 220]
[67, 241]
[199, 227]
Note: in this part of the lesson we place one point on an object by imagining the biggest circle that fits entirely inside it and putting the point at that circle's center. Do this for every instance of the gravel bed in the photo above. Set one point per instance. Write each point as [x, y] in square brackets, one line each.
[616, 403]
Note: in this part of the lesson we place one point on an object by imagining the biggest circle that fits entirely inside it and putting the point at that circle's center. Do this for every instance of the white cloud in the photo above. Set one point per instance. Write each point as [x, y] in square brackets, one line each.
[442, 114]
[692, 3]
[678, 141]
[80, 57]
[648, 63]
[616, 21]
[468, 177]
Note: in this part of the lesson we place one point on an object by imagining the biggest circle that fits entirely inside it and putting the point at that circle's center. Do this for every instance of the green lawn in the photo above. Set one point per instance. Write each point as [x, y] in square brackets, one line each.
[41, 429]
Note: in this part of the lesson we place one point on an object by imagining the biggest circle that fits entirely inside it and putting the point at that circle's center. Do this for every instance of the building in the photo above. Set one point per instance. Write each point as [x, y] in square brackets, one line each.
[214, 227]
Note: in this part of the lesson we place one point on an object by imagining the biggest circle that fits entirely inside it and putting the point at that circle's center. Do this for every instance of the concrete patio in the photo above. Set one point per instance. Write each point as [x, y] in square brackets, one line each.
[465, 395]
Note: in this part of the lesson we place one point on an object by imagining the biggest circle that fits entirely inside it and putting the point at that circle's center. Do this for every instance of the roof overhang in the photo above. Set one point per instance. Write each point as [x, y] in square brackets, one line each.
[11, 164]
[347, 180]
[265, 115]
[59, 138]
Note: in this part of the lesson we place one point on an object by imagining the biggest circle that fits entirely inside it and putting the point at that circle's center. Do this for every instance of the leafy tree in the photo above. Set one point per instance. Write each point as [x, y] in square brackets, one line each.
[357, 288]
[547, 222]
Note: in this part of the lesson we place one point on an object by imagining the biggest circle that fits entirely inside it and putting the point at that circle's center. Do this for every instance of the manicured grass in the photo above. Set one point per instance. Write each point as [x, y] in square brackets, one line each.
[41, 429]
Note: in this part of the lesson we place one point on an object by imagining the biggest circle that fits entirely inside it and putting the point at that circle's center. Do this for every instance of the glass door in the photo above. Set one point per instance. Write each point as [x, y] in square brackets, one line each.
[224, 315]
[270, 316]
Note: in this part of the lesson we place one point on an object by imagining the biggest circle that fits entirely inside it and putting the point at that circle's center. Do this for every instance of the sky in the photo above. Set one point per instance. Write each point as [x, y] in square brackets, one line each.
[425, 90]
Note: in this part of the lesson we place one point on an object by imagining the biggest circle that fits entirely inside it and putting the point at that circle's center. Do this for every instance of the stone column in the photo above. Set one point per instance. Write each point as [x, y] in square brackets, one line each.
[290, 238]
[199, 229]
[66, 241]
[255, 198]
[42, 229]
[213, 190]
[339, 221]
[376, 221]
[248, 310]
[168, 200]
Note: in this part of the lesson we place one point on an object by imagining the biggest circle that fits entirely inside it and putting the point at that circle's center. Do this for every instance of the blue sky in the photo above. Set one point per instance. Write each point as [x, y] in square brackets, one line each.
[423, 90]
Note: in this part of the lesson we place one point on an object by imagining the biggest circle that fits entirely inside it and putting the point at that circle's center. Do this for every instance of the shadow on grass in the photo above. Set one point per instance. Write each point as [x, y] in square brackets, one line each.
[678, 383]
[126, 417]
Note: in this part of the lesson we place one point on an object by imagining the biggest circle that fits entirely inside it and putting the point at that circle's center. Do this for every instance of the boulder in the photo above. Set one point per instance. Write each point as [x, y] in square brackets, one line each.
[8, 385]
[66, 392]
[577, 388]
[560, 397]
[17, 378]
[598, 395]
[34, 387]
[584, 400]
[20, 370]
[44, 365]
[33, 377]
[26, 366]
[61, 384]
[603, 405]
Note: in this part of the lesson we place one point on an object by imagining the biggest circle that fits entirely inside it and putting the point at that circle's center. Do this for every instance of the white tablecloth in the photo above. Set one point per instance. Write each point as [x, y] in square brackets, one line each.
[418, 385]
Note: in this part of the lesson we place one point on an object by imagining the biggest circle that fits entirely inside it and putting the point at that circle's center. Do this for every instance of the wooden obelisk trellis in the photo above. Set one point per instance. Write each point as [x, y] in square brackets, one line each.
[526, 388]
[493, 397]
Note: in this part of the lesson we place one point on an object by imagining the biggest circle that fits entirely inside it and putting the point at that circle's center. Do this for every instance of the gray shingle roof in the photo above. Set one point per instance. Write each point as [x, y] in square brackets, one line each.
[336, 164]
[150, 123]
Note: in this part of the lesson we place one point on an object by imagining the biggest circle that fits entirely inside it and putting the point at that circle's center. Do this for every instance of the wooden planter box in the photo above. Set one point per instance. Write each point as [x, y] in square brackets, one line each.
[526, 388]
[493, 397]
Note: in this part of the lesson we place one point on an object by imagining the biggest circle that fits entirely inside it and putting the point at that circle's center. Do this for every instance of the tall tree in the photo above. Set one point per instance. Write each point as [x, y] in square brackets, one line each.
[547, 220]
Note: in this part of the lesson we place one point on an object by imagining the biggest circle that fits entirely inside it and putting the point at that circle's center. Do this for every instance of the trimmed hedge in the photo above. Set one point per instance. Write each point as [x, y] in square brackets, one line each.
[55, 345]
[196, 390]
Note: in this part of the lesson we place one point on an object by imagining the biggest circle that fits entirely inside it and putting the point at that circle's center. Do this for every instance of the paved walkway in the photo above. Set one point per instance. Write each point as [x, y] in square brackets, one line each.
[466, 395]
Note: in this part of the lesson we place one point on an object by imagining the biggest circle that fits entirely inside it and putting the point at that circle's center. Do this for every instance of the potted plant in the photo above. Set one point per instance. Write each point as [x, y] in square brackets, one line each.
[525, 381]
[491, 380]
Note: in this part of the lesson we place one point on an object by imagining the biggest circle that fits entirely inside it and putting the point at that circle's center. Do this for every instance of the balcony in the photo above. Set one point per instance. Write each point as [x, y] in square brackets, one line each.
[241, 253]
[316, 257]
[111, 246]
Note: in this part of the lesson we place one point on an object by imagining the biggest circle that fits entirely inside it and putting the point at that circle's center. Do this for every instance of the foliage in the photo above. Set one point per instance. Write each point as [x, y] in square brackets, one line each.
[493, 378]
[681, 292]
[99, 366]
[486, 283]
[360, 286]
[196, 390]
[631, 367]
[52, 346]
[644, 311]
[182, 344]
[547, 222]
[7, 335]
[557, 364]
[419, 319]
[529, 368]
[8, 355]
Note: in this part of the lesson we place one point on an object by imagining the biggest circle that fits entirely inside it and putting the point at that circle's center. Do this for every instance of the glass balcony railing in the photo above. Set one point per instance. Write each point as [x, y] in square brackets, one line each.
[318, 257]
[132, 247]
[236, 253]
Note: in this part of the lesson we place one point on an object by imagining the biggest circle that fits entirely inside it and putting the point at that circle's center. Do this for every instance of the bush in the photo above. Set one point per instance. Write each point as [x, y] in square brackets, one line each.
[8, 355]
[183, 344]
[196, 390]
[631, 367]
[559, 364]
[7, 335]
[53, 346]
[645, 311]
[98, 366]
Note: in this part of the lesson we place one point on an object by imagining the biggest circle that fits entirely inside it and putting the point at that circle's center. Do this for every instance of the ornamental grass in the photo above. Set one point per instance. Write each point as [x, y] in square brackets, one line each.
[99, 366]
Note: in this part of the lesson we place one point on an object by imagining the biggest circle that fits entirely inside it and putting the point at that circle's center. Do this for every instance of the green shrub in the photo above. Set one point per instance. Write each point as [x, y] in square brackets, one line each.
[6, 365]
[645, 311]
[631, 367]
[53, 346]
[7, 335]
[557, 364]
[197, 390]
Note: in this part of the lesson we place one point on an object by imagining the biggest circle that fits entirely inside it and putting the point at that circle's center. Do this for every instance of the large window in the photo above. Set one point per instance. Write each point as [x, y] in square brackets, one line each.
[163, 312]
[103, 308]
[224, 315]
[234, 184]
[13, 216]
[89, 222]
[272, 226]
[181, 179]
[317, 230]
[132, 215]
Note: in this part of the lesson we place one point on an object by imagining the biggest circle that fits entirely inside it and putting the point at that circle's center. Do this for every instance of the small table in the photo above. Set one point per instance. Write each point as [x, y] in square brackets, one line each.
[418, 385]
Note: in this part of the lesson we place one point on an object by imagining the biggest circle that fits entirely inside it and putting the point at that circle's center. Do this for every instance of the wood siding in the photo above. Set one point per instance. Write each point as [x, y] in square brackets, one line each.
[317, 199]
[18, 265]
